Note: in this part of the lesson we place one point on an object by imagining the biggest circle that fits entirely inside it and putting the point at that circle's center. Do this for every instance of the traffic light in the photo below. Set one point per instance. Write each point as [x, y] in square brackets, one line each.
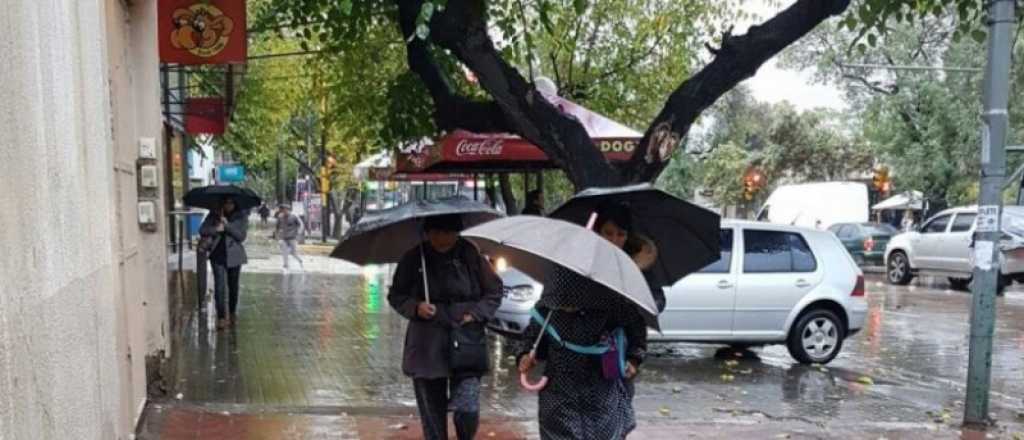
[753, 180]
[881, 180]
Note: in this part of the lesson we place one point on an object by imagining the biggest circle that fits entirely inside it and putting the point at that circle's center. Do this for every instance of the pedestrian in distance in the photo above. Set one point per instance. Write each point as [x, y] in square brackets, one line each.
[579, 400]
[534, 203]
[226, 230]
[464, 293]
[908, 221]
[264, 212]
[288, 229]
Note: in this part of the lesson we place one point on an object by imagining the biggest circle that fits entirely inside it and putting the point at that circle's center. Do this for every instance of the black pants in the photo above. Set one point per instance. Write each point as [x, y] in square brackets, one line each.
[225, 282]
[432, 399]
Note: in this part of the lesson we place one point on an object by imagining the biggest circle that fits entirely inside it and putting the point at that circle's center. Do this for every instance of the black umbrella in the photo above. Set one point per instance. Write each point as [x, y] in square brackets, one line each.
[212, 197]
[687, 236]
[385, 236]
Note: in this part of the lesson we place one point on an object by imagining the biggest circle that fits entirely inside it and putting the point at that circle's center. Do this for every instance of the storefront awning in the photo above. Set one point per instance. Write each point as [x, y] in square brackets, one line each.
[465, 152]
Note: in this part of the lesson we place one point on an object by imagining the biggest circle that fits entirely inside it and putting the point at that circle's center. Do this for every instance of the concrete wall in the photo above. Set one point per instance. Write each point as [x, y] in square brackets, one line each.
[79, 297]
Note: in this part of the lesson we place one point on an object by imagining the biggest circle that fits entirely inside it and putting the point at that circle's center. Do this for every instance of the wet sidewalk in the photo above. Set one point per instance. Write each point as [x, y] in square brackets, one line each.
[187, 422]
[317, 356]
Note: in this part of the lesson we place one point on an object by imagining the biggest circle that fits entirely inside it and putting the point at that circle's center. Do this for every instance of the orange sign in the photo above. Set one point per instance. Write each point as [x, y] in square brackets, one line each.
[202, 31]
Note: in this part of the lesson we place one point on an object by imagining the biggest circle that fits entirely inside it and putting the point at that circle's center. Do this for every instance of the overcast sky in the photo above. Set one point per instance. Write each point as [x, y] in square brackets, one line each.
[773, 84]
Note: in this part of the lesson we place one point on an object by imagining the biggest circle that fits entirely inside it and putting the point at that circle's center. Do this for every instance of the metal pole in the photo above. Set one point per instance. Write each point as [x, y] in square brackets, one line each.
[987, 234]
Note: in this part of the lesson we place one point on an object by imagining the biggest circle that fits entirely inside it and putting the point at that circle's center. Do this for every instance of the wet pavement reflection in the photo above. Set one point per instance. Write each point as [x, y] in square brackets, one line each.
[331, 343]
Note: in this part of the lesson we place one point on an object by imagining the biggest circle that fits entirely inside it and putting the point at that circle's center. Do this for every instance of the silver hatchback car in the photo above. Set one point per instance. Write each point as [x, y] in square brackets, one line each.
[773, 285]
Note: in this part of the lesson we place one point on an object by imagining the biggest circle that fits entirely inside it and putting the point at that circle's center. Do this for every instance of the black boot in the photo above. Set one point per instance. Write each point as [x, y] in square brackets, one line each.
[466, 424]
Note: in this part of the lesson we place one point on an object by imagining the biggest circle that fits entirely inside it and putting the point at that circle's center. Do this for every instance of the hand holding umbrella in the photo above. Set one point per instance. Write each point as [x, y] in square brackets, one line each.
[531, 359]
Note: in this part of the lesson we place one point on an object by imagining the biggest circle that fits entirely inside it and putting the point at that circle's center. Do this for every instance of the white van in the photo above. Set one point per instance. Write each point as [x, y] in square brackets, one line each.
[817, 205]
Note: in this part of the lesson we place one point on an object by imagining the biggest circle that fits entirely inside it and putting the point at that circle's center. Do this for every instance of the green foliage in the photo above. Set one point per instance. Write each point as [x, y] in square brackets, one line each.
[875, 19]
[682, 176]
[723, 174]
[620, 58]
[785, 145]
[923, 124]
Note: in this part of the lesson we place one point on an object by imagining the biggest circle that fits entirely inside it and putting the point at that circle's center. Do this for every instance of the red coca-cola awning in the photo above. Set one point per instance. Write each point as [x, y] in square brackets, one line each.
[467, 152]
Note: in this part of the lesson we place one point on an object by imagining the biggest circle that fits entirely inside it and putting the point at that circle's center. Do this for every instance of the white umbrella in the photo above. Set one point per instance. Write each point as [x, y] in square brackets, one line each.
[535, 245]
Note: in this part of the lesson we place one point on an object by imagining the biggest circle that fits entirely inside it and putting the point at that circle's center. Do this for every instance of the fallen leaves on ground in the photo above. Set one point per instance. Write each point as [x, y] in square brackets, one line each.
[865, 380]
[728, 377]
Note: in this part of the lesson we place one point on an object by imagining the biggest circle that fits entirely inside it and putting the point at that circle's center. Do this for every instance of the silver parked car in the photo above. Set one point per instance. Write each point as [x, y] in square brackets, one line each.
[774, 284]
[943, 245]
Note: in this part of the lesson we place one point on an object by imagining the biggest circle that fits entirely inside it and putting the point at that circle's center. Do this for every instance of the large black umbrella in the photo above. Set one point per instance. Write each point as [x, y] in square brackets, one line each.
[687, 236]
[385, 236]
[212, 197]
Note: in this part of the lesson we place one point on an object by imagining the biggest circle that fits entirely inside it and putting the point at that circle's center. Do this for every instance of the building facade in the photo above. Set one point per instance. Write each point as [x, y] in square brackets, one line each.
[83, 302]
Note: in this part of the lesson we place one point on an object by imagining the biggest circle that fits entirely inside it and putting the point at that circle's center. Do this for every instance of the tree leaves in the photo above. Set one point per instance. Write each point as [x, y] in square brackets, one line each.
[580, 6]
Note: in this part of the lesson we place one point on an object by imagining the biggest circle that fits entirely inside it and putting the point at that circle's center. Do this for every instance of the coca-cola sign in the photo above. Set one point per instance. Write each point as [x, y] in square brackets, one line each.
[479, 147]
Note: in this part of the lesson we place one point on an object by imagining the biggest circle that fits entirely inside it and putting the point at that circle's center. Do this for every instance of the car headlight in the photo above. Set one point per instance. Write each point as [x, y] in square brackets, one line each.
[500, 265]
[523, 294]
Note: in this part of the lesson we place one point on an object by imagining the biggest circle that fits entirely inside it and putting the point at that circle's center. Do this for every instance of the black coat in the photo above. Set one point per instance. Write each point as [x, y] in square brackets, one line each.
[461, 281]
[236, 229]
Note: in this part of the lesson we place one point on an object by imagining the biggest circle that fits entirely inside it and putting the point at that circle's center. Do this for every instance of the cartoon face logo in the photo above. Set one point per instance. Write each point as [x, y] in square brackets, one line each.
[663, 143]
[201, 29]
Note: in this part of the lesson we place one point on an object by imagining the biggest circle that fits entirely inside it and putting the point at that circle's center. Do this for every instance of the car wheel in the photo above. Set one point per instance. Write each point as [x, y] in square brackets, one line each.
[817, 337]
[960, 283]
[898, 269]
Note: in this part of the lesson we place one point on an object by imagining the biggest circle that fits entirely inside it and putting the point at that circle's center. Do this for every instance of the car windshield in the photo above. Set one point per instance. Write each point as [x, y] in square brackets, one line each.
[876, 229]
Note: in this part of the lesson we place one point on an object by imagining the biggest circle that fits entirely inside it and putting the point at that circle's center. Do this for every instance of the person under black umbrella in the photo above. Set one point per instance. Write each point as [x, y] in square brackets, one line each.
[458, 290]
[534, 203]
[225, 229]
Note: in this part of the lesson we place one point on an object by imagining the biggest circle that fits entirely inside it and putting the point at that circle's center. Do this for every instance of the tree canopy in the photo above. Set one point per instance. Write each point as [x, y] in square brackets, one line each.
[924, 124]
[476, 60]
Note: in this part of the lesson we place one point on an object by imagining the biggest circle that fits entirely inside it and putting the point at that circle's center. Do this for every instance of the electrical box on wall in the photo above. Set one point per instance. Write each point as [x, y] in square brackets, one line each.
[149, 177]
[147, 215]
[147, 148]
[148, 169]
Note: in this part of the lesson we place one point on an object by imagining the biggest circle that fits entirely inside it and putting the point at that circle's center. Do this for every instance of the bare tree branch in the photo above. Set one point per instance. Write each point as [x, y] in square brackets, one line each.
[451, 110]
[738, 59]
[462, 28]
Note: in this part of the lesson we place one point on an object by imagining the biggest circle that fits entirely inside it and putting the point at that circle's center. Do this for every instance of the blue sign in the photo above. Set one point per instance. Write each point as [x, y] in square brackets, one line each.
[231, 173]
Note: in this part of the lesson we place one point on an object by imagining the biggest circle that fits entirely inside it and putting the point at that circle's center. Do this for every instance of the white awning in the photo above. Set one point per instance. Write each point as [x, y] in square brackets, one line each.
[913, 200]
[380, 160]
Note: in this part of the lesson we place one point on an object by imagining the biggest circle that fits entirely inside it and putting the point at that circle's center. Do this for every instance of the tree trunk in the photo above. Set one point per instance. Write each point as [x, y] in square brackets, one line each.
[508, 194]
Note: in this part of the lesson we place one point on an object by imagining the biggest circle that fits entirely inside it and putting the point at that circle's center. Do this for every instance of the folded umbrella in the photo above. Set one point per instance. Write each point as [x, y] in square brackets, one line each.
[212, 197]
[687, 236]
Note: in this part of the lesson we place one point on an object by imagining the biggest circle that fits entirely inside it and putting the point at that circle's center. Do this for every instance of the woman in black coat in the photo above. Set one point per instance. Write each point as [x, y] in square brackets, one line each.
[464, 291]
[225, 231]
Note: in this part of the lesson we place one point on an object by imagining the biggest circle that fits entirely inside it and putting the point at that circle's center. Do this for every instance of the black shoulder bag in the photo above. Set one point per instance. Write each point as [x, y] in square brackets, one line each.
[469, 355]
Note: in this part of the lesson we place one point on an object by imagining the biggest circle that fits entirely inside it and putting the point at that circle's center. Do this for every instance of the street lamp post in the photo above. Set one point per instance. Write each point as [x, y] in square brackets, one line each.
[987, 232]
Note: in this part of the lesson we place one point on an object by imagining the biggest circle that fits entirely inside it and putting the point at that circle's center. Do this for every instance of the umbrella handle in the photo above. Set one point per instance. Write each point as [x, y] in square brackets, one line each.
[534, 387]
[525, 381]
[593, 219]
[423, 269]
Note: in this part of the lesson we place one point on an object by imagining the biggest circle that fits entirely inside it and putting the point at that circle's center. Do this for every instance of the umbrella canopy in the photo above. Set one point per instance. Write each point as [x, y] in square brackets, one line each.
[913, 200]
[687, 236]
[535, 245]
[385, 236]
[211, 197]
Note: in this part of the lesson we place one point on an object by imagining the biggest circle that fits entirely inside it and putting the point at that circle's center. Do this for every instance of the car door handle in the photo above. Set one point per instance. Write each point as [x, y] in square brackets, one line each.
[724, 285]
[802, 284]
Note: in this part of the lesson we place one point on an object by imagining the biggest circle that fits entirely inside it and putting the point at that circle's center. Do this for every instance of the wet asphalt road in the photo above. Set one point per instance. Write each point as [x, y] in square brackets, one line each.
[314, 342]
